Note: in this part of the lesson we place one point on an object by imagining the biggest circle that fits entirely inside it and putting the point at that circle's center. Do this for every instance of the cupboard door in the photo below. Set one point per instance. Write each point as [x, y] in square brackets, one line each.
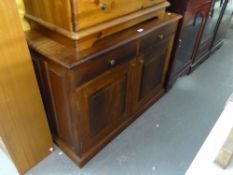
[151, 71]
[210, 29]
[103, 104]
[194, 22]
[212, 21]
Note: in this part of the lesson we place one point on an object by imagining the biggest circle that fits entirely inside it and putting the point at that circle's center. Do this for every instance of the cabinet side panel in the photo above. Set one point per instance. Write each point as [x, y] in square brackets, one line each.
[59, 97]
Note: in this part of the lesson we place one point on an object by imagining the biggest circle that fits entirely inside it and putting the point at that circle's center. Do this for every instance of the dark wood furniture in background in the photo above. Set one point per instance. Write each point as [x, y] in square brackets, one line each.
[195, 14]
[215, 30]
[201, 31]
[223, 24]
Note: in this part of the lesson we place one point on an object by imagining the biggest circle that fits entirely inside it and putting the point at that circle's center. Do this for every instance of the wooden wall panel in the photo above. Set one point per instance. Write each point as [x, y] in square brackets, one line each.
[23, 124]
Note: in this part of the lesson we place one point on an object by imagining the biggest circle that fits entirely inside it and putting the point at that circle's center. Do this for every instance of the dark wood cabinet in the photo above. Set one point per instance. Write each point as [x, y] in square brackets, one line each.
[209, 31]
[201, 31]
[223, 25]
[215, 30]
[91, 95]
[195, 15]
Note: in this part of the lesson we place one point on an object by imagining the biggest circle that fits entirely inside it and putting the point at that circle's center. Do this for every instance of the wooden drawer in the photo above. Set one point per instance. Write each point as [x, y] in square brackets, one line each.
[76, 15]
[104, 62]
[157, 36]
[90, 13]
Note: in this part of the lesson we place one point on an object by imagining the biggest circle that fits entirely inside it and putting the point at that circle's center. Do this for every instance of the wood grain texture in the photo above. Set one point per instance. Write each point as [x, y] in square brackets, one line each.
[23, 124]
[88, 22]
[94, 93]
[76, 15]
[89, 13]
[57, 12]
[71, 58]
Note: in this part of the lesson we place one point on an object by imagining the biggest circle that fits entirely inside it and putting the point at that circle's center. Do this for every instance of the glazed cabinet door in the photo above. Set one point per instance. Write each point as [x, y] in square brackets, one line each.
[103, 104]
[212, 21]
[193, 25]
[210, 28]
[224, 23]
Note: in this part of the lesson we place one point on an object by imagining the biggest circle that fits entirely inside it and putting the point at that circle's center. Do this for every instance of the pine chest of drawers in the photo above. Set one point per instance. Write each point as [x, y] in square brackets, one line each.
[92, 95]
[78, 24]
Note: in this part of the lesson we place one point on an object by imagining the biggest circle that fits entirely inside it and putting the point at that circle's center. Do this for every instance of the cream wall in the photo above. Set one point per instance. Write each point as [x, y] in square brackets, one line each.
[21, 12]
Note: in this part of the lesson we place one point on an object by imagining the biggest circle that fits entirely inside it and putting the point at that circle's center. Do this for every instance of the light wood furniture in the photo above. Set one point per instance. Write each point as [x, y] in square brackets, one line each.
[79, 24]
[23, 124]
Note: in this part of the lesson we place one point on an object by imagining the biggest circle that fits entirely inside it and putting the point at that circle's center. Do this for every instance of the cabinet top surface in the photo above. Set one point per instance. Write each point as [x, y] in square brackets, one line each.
[70, 58]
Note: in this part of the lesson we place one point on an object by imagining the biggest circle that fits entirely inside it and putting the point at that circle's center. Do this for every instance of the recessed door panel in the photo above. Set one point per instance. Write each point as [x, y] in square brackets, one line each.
[107, 104]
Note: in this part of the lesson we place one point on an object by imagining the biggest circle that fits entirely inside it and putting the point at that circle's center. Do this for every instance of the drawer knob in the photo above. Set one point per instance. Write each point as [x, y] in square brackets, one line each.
[103, 6]
[112, 62]
[161, 36]
[180, 42]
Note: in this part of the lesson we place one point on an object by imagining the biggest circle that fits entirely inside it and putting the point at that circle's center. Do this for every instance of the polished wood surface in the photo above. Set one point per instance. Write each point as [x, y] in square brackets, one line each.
[23, 124]
[57, 12]
[96, 93]
[77, 15]
[84, 22]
